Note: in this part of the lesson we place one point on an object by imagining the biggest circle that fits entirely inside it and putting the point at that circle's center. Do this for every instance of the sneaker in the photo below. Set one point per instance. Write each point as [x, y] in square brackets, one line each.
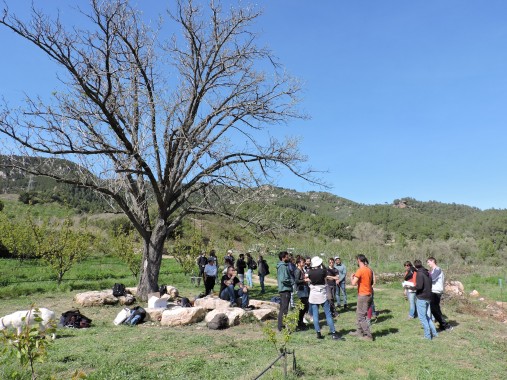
[319, 335]
[345, 307]
[448, 328]
[248, 308]
[335, 336]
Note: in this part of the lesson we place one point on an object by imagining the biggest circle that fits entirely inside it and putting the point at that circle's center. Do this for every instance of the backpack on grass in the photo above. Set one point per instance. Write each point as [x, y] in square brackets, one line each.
[74, 319]
[118, 290]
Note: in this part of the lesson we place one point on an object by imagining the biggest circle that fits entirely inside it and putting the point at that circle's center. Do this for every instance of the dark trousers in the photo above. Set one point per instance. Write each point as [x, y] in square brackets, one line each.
[304, 310]
[331, 297]
[436, 311]
[209, 284]
[284, 307]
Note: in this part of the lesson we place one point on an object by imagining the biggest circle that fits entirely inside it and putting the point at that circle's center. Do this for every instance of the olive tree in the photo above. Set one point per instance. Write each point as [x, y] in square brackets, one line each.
[161, 125]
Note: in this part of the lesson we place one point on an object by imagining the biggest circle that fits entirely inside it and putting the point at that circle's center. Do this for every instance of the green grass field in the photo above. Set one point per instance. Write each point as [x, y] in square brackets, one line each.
[476, 348]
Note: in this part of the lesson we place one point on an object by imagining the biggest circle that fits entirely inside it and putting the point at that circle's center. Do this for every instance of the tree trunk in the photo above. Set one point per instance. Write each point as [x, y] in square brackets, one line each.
[152, 259]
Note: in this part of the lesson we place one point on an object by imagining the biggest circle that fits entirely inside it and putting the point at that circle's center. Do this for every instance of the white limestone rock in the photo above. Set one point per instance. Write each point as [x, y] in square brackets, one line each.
[180, 316]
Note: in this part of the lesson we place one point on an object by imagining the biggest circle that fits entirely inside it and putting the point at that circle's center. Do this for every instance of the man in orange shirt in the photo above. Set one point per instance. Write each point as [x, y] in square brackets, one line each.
[363, 278]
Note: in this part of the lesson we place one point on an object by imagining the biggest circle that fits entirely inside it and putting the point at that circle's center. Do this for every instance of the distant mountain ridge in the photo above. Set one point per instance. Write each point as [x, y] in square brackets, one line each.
[311, 213]
[42, 189]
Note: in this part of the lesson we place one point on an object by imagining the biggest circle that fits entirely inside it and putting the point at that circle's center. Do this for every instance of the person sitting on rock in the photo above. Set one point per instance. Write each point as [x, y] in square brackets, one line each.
[228, 291]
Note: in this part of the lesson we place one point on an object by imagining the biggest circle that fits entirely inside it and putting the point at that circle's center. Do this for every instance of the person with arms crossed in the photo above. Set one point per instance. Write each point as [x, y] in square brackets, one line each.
[437, 290]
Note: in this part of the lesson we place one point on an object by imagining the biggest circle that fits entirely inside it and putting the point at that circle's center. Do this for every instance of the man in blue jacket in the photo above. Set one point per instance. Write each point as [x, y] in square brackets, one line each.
[284, 286]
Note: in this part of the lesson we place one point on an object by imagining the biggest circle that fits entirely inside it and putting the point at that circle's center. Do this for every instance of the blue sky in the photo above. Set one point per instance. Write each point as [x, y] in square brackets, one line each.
[406, 98]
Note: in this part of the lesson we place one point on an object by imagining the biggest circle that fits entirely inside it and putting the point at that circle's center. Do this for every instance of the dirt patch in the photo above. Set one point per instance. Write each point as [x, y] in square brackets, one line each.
[481, 307]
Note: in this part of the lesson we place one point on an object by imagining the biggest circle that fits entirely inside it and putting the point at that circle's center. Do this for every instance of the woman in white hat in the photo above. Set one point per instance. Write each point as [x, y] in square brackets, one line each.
[318, 296]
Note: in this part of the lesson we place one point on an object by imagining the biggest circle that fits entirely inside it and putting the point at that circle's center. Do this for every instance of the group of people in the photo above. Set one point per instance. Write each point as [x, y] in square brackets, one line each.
[424, 289]
[234, 274]
[316, 285]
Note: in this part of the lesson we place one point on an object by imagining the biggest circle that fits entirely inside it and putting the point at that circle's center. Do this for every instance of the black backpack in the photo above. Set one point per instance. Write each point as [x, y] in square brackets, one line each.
[118, 290]
[74, 319]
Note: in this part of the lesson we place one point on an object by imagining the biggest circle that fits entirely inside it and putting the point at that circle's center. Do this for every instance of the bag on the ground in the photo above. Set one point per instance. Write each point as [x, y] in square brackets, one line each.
[122, 316]
[118, 290]
[74, 319]
[185, 302]
[136, 316]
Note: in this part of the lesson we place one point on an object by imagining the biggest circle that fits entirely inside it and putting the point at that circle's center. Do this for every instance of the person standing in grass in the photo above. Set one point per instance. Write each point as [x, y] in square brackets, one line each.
[210, 275]
[409, 288]
[240, 267]
[250, 265]
[201, 263]
[292, 268]
[340, 288]
[284, 286]
[371, 310]
[303, 291]
[423, 299]
[318, 296]
[332, 279]
[363, 278]
[262, 272]
[437, 290]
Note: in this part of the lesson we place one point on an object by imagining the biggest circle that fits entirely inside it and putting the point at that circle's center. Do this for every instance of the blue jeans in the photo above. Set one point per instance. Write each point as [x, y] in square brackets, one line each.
[261, 280]
[340, 288]
[230, 294]
[315, 313]
[412, 313]
[424, 311]
[249, 278]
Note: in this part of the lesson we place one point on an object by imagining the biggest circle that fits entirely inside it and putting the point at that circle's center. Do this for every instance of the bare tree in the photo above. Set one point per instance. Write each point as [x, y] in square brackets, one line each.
[161, 127]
